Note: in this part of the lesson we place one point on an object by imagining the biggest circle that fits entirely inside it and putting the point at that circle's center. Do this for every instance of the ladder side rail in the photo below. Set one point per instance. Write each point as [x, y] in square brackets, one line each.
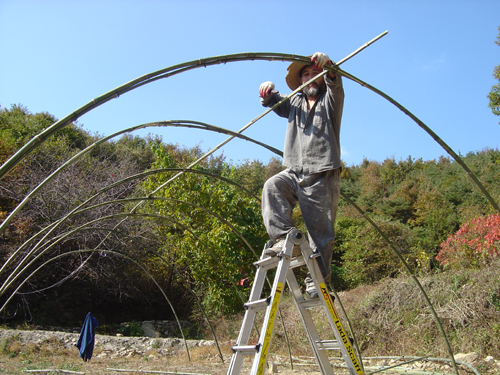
[346, 348]
[310, 328]
[248, 322]
[265, 339]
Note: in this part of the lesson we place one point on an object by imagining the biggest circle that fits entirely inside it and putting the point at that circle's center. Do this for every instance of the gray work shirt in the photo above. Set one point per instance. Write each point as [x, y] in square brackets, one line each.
[312, 141]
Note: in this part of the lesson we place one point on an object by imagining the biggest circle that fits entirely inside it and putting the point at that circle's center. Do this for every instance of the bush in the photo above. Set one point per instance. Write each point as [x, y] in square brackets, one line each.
[473, 245]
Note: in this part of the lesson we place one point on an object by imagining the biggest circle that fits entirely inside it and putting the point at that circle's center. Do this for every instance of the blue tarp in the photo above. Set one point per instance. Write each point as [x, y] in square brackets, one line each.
[87, 337]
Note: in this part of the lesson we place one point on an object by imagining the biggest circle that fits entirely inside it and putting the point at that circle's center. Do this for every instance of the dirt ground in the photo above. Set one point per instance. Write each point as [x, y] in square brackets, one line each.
[54, 352]
[134, 365]
[48, 352]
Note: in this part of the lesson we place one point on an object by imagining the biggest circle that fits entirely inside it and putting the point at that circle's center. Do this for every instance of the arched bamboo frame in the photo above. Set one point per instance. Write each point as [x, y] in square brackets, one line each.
[176, 69]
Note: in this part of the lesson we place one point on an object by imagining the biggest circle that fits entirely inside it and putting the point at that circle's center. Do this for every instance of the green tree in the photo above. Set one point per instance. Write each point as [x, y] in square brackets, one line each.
[368, 258]
[494, 95]
[204, 216]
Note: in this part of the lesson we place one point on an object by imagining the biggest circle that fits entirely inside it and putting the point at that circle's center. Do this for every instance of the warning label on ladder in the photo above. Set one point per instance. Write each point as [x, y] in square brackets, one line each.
[269, 329]
[340, 329]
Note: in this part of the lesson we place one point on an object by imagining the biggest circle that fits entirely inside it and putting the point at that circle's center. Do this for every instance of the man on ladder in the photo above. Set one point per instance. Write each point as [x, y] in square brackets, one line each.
[312, 158]
[312, 177]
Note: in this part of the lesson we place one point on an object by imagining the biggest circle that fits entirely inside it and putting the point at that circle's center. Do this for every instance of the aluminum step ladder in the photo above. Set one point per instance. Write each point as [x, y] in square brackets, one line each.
[285, 263]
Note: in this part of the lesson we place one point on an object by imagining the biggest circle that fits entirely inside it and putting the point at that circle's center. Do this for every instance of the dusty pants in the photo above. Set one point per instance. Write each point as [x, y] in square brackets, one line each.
[317, 195]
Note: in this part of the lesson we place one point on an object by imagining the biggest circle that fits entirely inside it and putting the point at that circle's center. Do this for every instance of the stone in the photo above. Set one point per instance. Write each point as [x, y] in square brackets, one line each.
[149, 330]
[467, 358]
[489, 360]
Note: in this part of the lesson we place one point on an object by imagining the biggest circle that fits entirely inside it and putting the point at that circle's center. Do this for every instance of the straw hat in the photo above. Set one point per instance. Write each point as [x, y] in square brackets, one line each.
[293, 76]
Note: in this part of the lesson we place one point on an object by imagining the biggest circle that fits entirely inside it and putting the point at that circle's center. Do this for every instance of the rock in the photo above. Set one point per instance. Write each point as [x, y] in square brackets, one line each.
[467, 358]
[489, 360]
[149, 329]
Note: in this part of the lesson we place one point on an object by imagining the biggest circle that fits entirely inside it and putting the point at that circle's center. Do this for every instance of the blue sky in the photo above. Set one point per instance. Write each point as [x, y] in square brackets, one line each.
[437, 60]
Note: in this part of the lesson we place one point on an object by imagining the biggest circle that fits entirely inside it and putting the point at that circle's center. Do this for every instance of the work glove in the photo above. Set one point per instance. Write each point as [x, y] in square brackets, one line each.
[320, 60]
[266, 89]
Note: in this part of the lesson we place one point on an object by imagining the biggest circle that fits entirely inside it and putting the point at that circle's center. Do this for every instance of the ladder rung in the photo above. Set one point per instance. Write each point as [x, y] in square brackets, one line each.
[258, 305]
[327, 345]
[246, 349]
[267, 263]
[297, 262]
[310, 303]
[272, 262]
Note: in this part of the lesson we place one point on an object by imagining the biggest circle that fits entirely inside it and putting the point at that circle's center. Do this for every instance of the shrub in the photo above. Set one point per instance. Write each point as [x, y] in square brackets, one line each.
[473, 245]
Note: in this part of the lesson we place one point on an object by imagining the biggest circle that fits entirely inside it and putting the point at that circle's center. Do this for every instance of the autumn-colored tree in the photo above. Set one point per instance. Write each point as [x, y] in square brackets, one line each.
[473, 245]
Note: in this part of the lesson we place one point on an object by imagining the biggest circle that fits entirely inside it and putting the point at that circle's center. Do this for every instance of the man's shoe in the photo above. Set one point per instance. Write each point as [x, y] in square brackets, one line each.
[311, 293]
[272, 249]
[310, 287]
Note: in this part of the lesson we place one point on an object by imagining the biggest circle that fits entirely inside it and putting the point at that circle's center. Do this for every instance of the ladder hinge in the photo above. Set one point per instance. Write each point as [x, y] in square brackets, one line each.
[314, 255]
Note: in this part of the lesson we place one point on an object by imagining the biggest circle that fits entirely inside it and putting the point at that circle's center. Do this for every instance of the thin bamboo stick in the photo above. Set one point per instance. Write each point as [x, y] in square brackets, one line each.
[6, 284]
[429, 131]
[179, 123]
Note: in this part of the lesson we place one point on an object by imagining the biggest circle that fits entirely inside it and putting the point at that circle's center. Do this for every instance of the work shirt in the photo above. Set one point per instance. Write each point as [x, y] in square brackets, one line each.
[312, 140]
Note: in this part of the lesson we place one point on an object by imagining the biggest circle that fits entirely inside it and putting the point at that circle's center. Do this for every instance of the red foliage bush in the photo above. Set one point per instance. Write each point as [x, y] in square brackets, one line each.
[474, 244]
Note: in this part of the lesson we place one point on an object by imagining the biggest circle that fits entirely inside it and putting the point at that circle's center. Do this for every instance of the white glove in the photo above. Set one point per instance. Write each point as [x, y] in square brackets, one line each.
[320, 60]
[265, 89]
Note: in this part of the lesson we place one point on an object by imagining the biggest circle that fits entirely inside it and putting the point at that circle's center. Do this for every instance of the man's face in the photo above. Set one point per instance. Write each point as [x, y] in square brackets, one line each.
[315, 87]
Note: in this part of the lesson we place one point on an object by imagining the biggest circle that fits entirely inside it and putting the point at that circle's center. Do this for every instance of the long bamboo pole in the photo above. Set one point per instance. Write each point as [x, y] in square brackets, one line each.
[408, 269]
[140, 81]
[177, 123]
[25, 265]
[111, 252]
[429, 131]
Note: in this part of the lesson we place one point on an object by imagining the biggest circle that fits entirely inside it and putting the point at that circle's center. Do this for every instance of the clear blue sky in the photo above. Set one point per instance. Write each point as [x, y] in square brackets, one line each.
[437, 60]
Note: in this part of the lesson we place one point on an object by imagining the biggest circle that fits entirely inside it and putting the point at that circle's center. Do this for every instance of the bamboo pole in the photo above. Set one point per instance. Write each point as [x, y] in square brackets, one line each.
[110, 252]
[78, 209]
[138, 82]
[179, 123]
[429, 131]
[19, 272]
[206, 155]
[408, 269]
[153, 372]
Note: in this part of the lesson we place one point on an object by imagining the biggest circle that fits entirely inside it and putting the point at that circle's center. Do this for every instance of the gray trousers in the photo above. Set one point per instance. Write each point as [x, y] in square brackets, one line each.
[317, 195]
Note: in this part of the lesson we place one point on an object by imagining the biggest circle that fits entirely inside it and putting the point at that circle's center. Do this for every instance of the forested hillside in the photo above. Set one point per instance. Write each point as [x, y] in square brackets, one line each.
[125, 232]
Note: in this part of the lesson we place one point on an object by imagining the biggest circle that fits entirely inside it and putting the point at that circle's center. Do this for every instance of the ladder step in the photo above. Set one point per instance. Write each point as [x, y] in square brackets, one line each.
[267, 263]
[272, 262]
[297, 262]
[328, 345]
[310, 303]
[246, 349]
[258, 305]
